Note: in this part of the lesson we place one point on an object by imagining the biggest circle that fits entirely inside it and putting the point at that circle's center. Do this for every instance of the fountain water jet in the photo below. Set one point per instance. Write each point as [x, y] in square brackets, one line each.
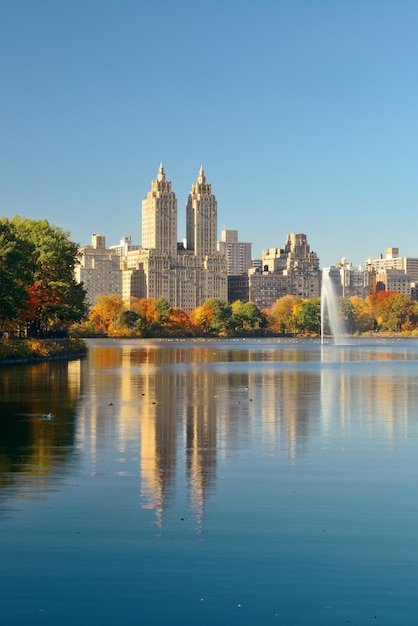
[329, 304]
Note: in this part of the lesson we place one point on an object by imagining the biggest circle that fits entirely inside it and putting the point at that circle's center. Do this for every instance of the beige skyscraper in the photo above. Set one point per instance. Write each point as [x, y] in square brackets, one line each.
[201, 218]
[162, 267]
[159, 217]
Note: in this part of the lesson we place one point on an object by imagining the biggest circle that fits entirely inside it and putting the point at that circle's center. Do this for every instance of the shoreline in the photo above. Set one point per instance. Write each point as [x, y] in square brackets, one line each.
[29, 351]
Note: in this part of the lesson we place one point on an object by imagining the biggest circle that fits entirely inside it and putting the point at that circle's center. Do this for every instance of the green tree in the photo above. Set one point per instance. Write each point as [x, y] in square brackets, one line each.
[347, 313]
[128, 319]
[55, 298]
[16, 272]
[247, 318]
[308, 316]
[162, 315]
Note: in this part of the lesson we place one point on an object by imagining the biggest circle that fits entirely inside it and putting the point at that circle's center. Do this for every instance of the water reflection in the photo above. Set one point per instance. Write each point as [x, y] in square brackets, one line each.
[168, 412]
[181, 407]
[31, 447]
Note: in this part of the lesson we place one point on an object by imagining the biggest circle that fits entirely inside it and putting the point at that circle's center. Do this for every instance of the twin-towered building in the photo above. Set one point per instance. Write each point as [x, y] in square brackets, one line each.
[186, 274]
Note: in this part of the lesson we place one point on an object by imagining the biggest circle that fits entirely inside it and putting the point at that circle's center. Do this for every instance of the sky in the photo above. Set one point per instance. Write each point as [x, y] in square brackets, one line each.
[302, 113]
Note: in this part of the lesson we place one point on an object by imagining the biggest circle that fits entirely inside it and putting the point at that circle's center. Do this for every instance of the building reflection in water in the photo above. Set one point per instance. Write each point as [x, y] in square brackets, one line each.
[165, 412]
[369, 389]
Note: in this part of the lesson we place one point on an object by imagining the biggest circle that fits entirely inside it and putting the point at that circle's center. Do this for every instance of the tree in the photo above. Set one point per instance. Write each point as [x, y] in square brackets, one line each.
[154, 314]
[308, 316]
[16, 272]
[106, 313]
[283, 314]
[247, 318]
[347, 315]
[128, 319]
[363, 314]
[214, 317]
[55, 298]
[180, 323]
[393, 310]
[162, 315]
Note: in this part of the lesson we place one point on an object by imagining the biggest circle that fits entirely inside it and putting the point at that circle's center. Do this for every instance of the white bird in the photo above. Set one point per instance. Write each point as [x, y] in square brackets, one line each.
[47, 416]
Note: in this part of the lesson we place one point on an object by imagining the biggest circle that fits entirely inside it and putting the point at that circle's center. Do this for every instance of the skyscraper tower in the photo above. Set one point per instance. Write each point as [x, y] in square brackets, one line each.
[159, 217]
[201, 218]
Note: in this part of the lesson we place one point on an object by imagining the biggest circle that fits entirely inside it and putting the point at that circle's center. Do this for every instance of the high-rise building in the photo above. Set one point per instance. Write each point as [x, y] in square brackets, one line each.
[201, 218]
[238, 262]
[237, 253]
[186, 276]
[159, 217]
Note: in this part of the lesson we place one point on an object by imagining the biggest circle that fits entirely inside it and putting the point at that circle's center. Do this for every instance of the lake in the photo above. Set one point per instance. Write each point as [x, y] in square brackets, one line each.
[238, 482]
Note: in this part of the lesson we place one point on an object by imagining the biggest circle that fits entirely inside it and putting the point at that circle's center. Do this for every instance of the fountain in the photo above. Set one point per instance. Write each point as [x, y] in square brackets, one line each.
[330, 304]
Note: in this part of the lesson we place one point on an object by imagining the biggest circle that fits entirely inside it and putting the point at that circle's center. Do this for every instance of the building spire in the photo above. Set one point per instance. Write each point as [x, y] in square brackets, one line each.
[201, 178]
[161, 173]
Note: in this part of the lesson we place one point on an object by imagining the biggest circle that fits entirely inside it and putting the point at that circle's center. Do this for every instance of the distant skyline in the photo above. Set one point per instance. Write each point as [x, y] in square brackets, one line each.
[303, 115]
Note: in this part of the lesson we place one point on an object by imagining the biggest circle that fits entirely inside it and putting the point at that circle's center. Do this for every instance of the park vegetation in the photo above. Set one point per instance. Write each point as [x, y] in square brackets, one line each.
[384, 312]
[39, 297]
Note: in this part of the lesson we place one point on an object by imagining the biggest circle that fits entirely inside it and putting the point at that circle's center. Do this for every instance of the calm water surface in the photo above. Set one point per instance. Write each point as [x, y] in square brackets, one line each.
[211, 482]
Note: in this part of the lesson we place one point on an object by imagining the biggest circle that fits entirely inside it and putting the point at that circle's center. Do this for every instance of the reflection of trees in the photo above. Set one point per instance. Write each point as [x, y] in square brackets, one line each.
[29, 445]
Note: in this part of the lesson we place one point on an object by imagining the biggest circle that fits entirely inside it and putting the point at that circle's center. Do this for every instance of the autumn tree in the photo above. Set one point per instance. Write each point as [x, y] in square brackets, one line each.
[214, 317]
[106, 313]
[180, 324]
[363, 313]
[283, 314]
[393, 310]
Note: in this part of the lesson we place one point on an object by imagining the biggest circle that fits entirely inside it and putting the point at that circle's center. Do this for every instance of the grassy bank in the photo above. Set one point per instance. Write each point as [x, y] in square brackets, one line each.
[32, 350]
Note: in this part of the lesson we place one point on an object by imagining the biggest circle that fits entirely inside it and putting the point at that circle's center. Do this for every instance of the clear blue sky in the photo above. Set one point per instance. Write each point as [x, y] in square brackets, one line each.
[304, 115]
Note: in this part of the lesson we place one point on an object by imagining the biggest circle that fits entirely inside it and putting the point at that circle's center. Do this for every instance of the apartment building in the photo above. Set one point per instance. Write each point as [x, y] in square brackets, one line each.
[98, 269]
[185, 274]
[293, 269]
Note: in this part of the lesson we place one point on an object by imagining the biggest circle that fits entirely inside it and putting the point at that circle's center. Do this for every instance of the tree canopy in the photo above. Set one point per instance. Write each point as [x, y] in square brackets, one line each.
[38, 290]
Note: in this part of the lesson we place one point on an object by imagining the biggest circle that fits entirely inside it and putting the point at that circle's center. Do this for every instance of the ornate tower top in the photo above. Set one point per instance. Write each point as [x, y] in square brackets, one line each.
[201, 178]
[161, 173]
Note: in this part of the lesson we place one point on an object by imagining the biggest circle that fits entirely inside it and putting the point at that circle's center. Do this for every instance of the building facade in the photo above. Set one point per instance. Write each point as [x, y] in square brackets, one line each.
[237, 253]
[394, 273]
[99, 270]
[393, 261]
[238, 262]
[350, 281]
[293, 270]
